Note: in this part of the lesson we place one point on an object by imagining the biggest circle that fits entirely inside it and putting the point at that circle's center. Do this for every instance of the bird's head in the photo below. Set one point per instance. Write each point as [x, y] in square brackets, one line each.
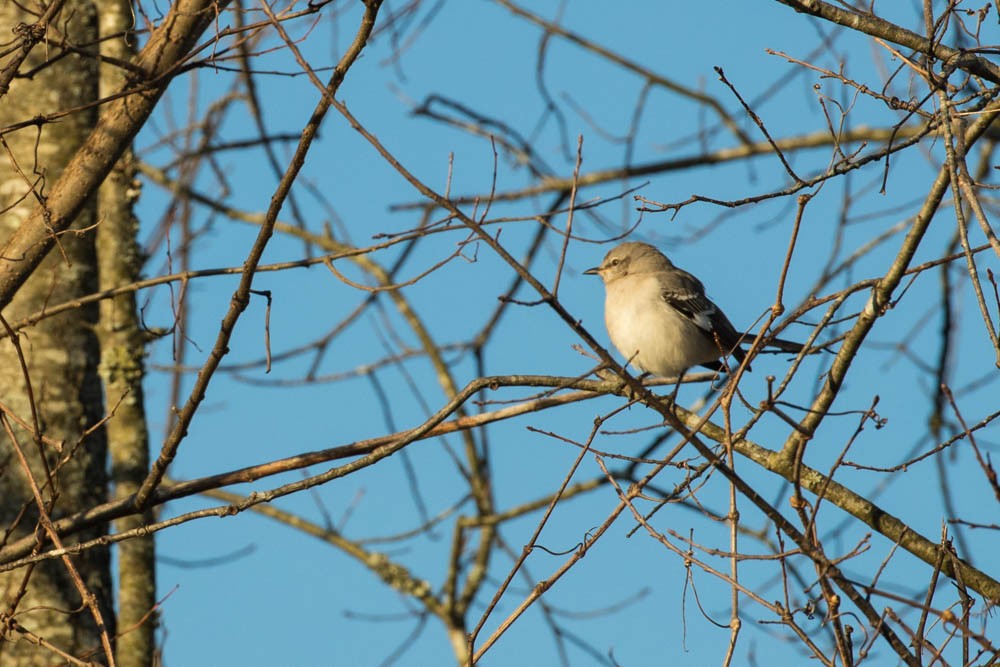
[629, 258]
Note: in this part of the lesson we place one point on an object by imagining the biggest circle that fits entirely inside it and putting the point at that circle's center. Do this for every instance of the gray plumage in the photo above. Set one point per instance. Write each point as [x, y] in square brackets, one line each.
[658, 316]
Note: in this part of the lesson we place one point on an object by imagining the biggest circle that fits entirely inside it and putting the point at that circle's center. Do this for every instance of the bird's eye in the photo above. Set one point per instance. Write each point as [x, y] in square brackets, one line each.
[615, 262]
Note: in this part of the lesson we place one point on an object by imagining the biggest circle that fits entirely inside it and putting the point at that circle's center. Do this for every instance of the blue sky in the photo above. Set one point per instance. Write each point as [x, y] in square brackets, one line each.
[293, 600]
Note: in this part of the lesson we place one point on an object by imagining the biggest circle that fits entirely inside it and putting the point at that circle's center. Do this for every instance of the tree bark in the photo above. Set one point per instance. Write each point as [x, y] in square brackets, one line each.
[168, 45]
[122, 367]
[52, 410]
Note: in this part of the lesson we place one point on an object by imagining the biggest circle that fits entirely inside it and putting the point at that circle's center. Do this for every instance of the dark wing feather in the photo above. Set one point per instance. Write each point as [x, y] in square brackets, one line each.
[728, 338]
[688, 298]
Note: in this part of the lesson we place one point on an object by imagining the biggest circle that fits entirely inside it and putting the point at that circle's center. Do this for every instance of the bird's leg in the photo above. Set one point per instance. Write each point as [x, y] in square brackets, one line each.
[677, 387]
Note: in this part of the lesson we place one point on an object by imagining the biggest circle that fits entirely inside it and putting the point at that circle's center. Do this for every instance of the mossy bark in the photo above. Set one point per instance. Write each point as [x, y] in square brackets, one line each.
[67, 452]
[122, 362]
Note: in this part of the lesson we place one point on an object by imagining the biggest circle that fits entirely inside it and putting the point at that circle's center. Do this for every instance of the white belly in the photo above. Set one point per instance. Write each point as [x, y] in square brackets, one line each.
[651, 335]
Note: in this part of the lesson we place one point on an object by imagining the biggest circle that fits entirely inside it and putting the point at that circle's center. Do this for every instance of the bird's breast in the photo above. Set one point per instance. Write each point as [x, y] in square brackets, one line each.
[649, 333]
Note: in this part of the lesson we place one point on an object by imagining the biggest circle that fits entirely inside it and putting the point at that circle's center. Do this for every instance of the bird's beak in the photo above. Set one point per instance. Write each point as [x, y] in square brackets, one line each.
[596, 271]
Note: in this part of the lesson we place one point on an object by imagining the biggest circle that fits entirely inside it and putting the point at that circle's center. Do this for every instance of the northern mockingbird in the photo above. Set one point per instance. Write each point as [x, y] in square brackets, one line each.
[658, 315]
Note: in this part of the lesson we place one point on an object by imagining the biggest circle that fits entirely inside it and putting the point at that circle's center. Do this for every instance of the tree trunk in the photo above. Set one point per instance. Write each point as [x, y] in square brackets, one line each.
[122, 367]
[51, 412]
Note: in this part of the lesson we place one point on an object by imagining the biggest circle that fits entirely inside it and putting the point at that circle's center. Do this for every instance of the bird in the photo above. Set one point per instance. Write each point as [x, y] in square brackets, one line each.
[658, 315]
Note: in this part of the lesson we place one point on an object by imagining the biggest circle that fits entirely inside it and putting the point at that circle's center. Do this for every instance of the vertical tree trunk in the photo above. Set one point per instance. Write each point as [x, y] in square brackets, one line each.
[61, 353]
[122, 368]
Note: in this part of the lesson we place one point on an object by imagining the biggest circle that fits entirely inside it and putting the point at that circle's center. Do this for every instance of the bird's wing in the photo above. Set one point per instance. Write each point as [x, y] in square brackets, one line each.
[685, 294]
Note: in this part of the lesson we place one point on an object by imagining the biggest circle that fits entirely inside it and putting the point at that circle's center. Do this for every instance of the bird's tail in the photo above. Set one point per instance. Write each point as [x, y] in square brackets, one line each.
[785, 345]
